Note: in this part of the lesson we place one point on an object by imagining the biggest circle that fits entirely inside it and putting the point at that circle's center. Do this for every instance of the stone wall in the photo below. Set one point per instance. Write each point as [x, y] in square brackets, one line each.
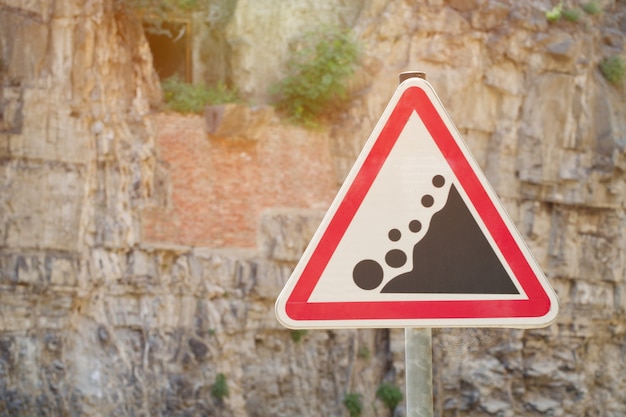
[97, 320]
[217, 187]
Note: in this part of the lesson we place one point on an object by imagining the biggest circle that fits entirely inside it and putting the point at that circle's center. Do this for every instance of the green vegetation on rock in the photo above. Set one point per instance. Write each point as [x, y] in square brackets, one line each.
[390, 395]
[364, 353]
[613, 68]
[219, 390]
[156, 7]
[592, 8]
[555, 13]
[317, 75]
[354, 403]
[297, 335]
[185, 97]
[572, 15]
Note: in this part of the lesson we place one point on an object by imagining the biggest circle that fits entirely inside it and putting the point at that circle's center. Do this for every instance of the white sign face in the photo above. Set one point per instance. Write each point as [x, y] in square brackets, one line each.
[416, 237]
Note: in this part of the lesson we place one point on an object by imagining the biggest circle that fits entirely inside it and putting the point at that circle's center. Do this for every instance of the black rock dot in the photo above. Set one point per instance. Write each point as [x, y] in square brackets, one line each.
[367, 274]
[394, 235]
[439, 181]
[428, 200]
[415, 226]
[395, 258]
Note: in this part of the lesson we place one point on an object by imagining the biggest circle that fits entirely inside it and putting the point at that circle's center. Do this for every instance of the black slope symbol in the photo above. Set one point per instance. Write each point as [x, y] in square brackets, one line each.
[454, 257]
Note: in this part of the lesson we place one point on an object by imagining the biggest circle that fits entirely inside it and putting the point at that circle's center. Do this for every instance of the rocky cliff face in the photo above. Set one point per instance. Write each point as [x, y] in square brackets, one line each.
[94, 320]
[76, 157]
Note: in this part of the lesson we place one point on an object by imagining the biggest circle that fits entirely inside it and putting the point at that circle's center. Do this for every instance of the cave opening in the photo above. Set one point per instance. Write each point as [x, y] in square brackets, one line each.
[170, 43]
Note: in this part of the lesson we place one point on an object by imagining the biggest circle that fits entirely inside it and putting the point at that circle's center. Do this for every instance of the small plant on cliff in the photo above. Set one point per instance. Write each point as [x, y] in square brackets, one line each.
[317, 75]
[592, 8]
[390, 395]
[555, 13]
[155, 7]
[613, 68]
[364, 353]
[354, 403]
[572, 15]
[219, 390]
[297, 335]
[184, 97]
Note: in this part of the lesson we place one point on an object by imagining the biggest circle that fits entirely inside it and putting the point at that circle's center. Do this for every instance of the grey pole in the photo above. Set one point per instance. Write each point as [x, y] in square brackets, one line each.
[418, 346]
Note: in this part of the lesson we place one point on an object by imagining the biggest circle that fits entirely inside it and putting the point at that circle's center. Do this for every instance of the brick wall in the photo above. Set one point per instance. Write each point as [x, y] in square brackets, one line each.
[218, 187]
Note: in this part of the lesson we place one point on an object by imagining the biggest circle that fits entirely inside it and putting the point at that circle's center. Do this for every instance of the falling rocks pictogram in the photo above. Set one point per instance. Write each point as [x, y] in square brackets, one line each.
[454, 257]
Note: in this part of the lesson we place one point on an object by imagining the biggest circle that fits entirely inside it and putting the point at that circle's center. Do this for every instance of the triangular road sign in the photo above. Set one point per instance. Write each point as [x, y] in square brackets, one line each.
[416, 237]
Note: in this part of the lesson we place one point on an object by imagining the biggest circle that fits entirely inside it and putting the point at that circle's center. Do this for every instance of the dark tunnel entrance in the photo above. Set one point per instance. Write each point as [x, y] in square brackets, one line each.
[170, 43]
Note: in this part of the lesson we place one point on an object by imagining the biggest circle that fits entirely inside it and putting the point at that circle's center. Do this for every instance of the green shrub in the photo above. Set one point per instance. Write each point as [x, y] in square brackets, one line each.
[187, 4]
[555, 13]
[297, 335]
[317, 75]
[354, 403]
[192, 98]
[219, 390]
[390, 395]
[364, 353]
[155, 7]
[572, 15]
[613, 69]
[592, 8]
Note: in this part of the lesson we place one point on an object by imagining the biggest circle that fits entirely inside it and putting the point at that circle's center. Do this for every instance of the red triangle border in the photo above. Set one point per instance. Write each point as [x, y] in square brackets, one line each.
[538, 304]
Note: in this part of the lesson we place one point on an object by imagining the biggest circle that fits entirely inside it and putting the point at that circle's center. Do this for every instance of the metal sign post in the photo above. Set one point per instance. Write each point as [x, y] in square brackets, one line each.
[419, 372]
[418, 348]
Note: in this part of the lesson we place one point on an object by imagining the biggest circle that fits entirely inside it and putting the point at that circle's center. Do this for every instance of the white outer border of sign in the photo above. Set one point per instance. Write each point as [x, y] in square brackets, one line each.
[514, 322]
